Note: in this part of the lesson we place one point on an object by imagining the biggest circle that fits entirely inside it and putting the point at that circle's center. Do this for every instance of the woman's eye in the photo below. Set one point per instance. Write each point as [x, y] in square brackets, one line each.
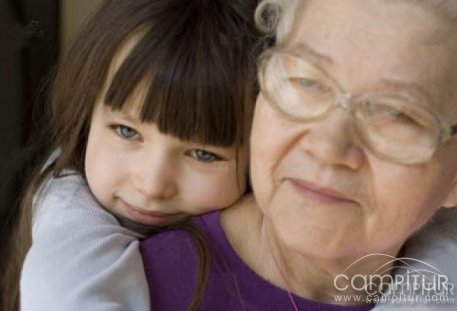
[384, 110]
[125, 132]
[204, 156]
[309, 84]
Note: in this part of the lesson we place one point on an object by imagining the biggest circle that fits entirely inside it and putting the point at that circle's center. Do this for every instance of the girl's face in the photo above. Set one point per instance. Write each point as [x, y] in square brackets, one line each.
[139, 173]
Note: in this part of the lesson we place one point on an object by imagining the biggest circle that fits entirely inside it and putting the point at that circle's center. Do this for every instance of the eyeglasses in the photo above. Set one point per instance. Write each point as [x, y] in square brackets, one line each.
[392, 126]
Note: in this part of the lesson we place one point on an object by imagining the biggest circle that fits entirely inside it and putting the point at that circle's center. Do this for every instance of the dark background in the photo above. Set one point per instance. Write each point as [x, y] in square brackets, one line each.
[28, 51]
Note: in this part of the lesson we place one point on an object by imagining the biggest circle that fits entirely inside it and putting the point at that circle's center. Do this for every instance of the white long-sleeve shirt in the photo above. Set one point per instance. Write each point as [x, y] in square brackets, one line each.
[436, 248]
[81, 257]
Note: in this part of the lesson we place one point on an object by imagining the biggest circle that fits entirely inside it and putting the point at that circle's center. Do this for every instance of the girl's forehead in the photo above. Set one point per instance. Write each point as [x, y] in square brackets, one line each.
[122, 53]
[129, 112]
[133, 105]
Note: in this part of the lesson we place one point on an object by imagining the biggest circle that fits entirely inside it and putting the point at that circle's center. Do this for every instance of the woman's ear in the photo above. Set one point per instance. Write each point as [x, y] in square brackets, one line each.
[451, 199]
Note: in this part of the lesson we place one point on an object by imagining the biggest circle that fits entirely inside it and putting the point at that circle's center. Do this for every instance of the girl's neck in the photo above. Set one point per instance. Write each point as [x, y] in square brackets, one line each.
[296, 272]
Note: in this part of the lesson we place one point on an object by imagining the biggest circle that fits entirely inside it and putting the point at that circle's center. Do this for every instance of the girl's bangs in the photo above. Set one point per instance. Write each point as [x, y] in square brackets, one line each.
[189, 94]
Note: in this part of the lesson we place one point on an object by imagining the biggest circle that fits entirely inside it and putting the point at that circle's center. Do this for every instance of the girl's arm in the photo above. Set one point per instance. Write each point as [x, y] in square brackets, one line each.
[81, 258]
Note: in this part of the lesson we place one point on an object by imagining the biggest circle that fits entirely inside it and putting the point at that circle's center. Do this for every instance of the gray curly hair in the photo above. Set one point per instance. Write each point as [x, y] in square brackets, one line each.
[275, 17]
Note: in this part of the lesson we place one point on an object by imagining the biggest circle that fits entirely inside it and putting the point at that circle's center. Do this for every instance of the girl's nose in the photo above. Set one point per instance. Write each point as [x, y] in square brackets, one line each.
[154, 176]
[333, 140]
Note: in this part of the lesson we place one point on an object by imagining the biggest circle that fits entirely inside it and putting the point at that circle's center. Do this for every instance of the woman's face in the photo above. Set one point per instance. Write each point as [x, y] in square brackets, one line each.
[321, 189]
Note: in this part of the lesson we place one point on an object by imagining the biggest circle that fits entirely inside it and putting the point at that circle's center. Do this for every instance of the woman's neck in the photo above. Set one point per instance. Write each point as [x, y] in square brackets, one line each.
[316, 278]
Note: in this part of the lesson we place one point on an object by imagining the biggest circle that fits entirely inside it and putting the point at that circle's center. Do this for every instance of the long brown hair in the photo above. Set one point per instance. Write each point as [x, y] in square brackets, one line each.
[198, 57]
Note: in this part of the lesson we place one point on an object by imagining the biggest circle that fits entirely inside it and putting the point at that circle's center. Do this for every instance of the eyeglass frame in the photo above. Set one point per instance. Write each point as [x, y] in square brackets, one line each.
[345, 100]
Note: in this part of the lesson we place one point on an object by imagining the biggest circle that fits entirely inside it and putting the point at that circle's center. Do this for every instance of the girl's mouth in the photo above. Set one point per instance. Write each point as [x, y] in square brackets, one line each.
[152, 218]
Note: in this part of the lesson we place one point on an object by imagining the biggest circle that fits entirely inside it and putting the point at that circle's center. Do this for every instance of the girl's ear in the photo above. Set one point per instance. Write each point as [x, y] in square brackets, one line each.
[451, 199]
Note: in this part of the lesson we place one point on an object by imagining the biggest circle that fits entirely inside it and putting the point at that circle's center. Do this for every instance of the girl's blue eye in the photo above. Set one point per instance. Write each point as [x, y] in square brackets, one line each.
[204, 156]
[125, 132]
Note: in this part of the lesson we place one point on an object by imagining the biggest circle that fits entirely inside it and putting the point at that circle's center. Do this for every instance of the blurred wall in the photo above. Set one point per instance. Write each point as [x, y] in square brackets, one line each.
[73, 13]
[11, 89]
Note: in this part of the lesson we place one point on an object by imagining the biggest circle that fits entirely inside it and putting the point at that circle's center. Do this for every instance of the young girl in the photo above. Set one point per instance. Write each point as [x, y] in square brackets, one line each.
[150, 114]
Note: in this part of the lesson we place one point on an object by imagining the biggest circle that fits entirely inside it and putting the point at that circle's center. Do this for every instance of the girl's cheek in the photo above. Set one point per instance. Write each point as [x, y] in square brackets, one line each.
[215, 193]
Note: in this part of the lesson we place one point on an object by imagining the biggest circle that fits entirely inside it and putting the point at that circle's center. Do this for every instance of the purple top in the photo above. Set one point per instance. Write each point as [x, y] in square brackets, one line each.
[170, 262]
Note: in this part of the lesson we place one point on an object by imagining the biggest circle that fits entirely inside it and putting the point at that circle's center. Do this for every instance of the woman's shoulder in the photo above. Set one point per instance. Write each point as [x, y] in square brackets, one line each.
[212, 228]
[179, 237]
[171, 261]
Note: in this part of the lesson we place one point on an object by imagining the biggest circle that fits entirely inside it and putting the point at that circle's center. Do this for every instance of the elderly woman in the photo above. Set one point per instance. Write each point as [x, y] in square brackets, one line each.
[352, 151]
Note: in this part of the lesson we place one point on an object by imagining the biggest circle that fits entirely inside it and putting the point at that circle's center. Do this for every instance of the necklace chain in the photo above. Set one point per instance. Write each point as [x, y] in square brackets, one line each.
[283, 279]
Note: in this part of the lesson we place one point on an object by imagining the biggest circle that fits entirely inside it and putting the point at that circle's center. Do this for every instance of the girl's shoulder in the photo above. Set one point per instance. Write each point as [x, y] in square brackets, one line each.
[69, 182]
[58, 193]
[66, 203]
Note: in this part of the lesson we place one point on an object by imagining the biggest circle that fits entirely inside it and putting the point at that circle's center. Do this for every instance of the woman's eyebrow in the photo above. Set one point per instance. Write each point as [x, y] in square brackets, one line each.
[415, 90]
[305, 49]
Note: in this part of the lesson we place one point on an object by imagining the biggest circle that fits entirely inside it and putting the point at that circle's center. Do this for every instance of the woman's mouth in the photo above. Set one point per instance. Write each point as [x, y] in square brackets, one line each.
[319, 194]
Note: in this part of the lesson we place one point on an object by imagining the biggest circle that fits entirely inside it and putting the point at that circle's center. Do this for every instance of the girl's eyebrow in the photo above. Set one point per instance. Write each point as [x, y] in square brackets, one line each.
[122, 114]
[128, 117]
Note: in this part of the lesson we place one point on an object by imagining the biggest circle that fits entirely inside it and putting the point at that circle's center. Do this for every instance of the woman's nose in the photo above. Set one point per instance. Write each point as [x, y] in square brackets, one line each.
[333, 140]
[154, 176]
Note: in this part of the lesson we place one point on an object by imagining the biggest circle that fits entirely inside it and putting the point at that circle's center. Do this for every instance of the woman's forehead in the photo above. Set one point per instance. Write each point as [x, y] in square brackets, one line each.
[361, 22]
[366, 42]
